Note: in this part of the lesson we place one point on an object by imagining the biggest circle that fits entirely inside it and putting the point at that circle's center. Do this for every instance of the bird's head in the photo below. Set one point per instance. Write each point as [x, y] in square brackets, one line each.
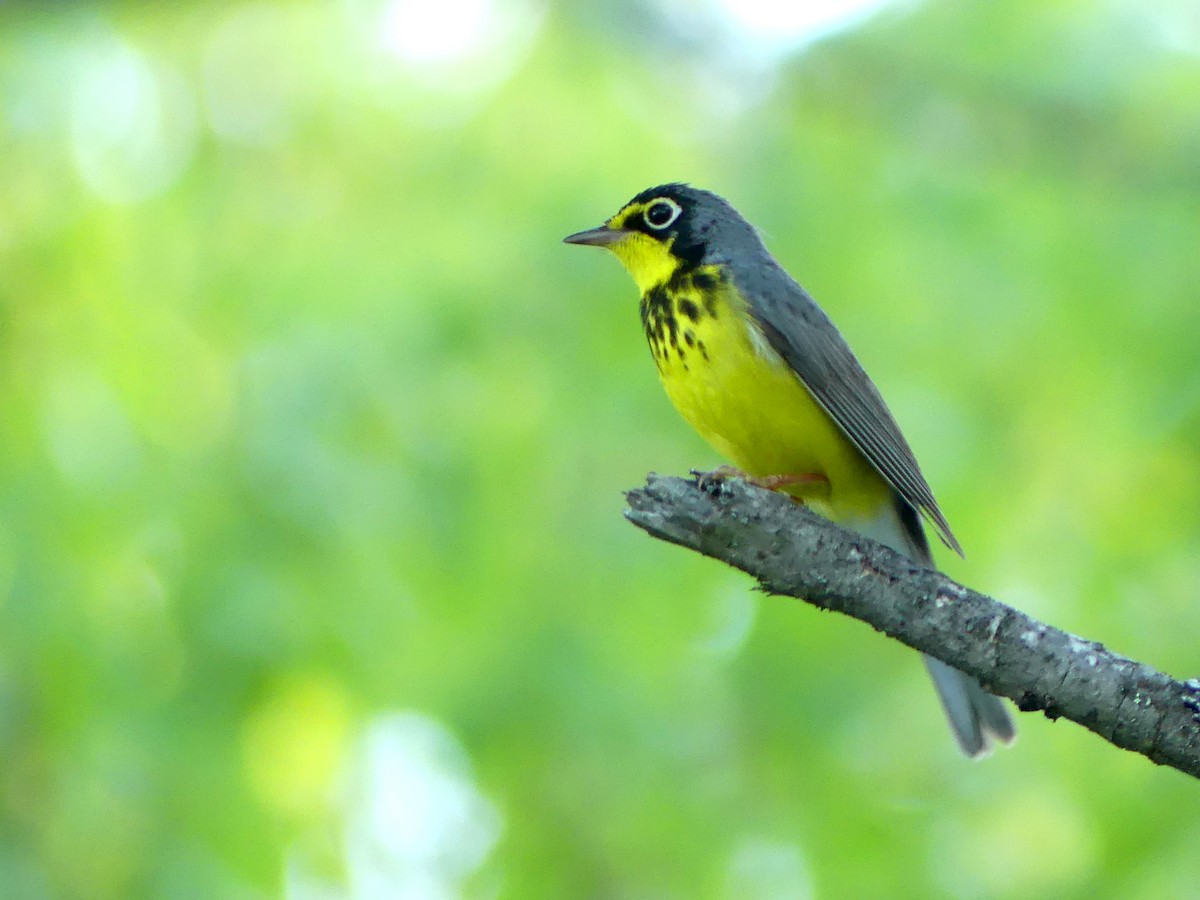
[668, 228]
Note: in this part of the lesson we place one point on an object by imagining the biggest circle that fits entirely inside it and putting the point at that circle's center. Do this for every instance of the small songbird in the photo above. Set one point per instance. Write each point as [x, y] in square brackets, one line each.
[751, 361]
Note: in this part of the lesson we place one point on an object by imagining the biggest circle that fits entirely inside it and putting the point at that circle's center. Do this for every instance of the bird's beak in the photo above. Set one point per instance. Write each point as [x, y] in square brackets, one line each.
[604, 236]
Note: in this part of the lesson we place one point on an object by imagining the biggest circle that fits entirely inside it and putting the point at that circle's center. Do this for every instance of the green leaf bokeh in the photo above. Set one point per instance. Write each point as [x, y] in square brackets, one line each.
[313, 579]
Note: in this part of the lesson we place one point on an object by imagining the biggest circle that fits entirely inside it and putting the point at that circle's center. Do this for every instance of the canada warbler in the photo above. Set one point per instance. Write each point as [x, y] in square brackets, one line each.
[751, 361]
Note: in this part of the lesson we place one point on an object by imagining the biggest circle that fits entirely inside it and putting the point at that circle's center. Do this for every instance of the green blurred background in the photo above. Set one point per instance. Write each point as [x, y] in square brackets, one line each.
[313, 577]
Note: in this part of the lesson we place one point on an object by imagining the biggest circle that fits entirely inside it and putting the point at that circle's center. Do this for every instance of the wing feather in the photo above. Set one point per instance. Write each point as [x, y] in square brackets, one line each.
[799, 331]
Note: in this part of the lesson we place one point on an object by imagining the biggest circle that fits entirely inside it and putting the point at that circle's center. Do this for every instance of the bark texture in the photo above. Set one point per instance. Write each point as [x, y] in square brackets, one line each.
[792, 551]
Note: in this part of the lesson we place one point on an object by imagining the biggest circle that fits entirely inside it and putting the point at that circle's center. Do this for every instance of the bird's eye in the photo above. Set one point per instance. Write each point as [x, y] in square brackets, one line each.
[661, 213]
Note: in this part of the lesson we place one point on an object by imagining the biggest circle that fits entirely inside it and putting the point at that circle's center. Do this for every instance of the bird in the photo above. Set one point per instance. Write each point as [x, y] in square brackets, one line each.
[751, 361]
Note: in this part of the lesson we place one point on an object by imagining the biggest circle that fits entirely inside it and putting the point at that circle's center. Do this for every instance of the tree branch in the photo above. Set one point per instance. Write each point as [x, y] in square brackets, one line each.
[792, 551]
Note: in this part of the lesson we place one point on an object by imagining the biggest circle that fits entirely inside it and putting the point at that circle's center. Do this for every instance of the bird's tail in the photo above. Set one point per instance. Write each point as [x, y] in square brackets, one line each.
[976, 717]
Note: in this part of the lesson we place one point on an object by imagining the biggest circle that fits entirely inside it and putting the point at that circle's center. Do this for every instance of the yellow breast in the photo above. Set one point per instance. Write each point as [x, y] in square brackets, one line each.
[745, 400]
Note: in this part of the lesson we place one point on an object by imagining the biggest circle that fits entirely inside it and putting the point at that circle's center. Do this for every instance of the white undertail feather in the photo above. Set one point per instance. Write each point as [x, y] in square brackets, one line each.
[761, 345]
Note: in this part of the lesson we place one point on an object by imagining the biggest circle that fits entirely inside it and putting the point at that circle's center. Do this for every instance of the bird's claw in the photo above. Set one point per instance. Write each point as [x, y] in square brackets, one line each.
[709, 480]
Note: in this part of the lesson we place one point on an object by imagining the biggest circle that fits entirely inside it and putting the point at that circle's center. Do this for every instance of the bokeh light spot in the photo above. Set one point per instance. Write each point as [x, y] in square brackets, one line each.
[786, 25]
[763, 869]
[438, 32]
[418, 826]
[733, 611]
[433, 54]
[293, 743]
[133, 124]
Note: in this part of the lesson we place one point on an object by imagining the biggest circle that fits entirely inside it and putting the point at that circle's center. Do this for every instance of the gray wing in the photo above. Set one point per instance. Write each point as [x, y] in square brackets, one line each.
[802, 334]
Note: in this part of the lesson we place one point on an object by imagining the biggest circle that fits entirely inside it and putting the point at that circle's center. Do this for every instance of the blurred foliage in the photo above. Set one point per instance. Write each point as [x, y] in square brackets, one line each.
[314, 579]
